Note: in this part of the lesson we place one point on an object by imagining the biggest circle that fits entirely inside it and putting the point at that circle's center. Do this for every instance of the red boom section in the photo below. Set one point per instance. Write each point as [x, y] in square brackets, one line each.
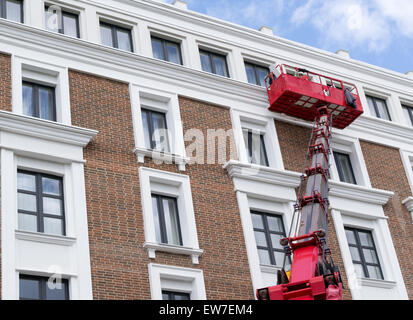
[299, 93]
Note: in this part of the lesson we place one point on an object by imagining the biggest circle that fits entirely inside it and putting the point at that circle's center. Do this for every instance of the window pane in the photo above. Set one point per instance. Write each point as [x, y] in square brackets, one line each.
[14, 10]
[173, 52]
[146, 131]
[279, 258]
[27, 222]
[124, 39]
[70, 23]
[52, 206]
[157, 49]
[262, 73]
[29, 289]
[370, 256]
[46, 103]
[26, 182]
[156, 219]
[264, 256]
[51, 186]
[382, 109]
[182, 296]
[165, 296]
[220, 65]
[205, 62]
[53, 226]
[106, 35]
[26, 202]
[28, 106]
[275, 240]
[171, 221]
[257, 221]
[374, 272]
[275, 224]
[56, 291]
[250, 74]
[366, 239]
[261, 239]
[160, 134]
[350, 237]
[359, 270]
[344, 168]
[263, 156]
[51, 20]
[355, 254]
[371, 106]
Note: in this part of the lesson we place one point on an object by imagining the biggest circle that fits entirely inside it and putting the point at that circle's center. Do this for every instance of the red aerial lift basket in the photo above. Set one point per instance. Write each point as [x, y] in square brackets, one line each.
[299, 93]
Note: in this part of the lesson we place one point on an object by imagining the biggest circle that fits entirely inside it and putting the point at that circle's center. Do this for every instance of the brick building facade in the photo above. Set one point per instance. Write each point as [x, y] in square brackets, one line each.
[80, 163]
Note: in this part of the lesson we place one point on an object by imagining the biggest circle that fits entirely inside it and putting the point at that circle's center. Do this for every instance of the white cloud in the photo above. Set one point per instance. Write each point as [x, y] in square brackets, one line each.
[357, 23]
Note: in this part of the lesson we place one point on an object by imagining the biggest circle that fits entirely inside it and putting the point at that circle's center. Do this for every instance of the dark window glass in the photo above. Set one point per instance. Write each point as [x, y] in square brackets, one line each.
[170, 295]
[40, 203]
[364, 253]
[255, 146]
[256, 74]
[116, 37]
[39, 101]
[40, 288]
[409, 113]
[63, 22]
[166, 217]
[378, 108]
[344, 168]
[12, 10]
[269, 230]
[214, 63]
[166, 50]
[155, 130]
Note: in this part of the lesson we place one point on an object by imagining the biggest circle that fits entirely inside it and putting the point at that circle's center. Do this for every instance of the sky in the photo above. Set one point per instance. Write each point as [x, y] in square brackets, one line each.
[379, 32]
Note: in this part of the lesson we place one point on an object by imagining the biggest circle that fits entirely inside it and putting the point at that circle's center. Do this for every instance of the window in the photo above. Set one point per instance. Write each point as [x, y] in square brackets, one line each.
[155, 130]
[344, 167]
[166, 50]
[166, 218]
[62, 22]
[170, 295]
[214, 63]
[39, 101]
[363, 253]
[116, 37]
[255, 147]
[12, 10]
[40, 288]
[378, 108]
[409, 113]
[269, 230]
[256, 74]
[40, 203]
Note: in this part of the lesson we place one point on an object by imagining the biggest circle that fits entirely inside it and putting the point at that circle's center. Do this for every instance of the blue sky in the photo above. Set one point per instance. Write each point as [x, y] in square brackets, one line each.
[378, 32]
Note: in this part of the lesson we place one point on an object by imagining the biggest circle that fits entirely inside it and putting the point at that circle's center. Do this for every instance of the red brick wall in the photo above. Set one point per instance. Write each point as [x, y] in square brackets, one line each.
[386, 172]
[5, 82]
[118, 261]
[294, 143]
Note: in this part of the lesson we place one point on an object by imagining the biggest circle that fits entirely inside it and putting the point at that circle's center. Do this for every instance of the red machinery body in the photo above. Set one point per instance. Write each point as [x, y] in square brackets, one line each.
[299, 93]
[306, 95]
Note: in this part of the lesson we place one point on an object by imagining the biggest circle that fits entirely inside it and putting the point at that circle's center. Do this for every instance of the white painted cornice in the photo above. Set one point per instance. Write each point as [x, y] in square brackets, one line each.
[46, 130]
[263, 174]
[408, 202]
[359, 193]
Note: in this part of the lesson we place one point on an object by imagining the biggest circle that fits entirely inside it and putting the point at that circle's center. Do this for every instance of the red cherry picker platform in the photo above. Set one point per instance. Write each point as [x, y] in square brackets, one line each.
[329, 103]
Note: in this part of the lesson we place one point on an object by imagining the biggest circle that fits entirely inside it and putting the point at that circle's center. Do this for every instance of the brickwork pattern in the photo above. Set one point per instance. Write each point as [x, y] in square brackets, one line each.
[5, 82]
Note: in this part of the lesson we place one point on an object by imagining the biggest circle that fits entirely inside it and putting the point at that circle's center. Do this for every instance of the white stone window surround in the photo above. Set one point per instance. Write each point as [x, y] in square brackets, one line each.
[120, 21]
[256, 60]
[221, 50]
[171, 185]
[37, 145]
[24, 69]
[407, 160]
[392, 287]
[392, 102]
[178, 279]
[408, 102]
[164, 102]
[262, 124]
[350, 146]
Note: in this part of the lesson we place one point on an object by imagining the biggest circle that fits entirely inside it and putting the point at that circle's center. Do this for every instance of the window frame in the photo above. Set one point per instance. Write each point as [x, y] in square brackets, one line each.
[161, 212]
[151, 129]
[173, 294]
[374, 99]
[210, 55]
[164, 43]
[40, 215]
[268, 233]
[3, 10]
[248, 145]
[255, 66]
[339, 167]
[35, 98]
[360, 248]
[114, 28]
[409, 110]
[42, 286]
[65, 12]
